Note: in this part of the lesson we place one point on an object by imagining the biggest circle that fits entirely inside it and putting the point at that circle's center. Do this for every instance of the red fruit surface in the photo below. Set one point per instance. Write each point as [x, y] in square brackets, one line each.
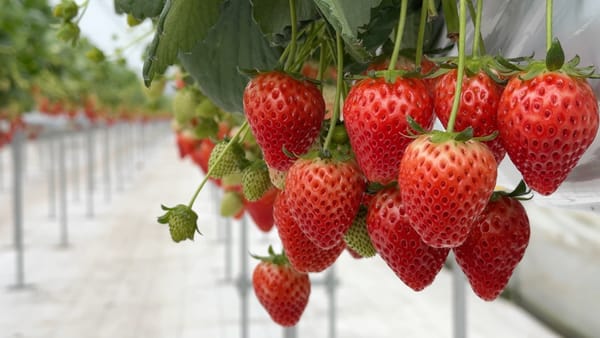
[200, 154]
[303, 254]
[283, 113]
[494, 247]
[261, 210]
[186, 143]
[324, 196]
[282, 291]
[445, 186]
[478, 106]
[545, 125]
[375, 117]
[413, 261]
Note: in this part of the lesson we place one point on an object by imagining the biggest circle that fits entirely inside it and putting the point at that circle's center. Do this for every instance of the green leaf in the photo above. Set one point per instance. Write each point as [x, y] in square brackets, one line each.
[234, 43]
[272, 16]
[346, 16]
[140, 9]
[182, 24]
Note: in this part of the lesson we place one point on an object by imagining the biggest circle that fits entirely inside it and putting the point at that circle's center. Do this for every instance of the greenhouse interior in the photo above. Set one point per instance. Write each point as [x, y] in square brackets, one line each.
[299, 168]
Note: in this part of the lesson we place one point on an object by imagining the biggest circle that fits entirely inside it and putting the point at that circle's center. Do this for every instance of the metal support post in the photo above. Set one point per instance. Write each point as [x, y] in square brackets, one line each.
[90, 171]
[51, 177]
[62, 192]
[290, 332]
[17, 148]
[106, 164]
[228, 251]
[459, 302]
[74, 175]
[243, 280]
[330, 286]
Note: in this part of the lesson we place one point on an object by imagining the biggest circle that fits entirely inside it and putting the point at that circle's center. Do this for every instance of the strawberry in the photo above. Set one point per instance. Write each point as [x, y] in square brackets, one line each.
[261, 210]
[357, 238]
[445, 184]
[255, 180]
[232, 204]
[184, 104]
[277, 178]
[495, 246]
[375, 116]
[546, 123]
[324, 197]
[186, 142]
[181, 220]
[303, 254]
[201, 153]
[226, 159]
[413, 261]
[478, 106]
[283, 113]
[280, 289]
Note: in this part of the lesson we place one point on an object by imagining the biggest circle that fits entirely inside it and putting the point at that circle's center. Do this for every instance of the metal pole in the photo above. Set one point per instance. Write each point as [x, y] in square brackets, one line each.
[228, 250]
[62, 191]
[459, 302]
[243, 283]
[17, 148]
[106, 164]
[51, 178]
[330, 286]
[290, 332]
[90, 171]
[75, 165]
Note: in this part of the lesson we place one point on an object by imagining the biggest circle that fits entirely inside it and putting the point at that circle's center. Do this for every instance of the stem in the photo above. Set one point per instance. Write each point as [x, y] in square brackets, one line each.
[321, 62]
[399, 32]
[421, 34]
[548, 24]
[85, 6]
[292, 54]
[431, 8]
[477, 35]
[234, 139]
[462, 28]
[338, 90]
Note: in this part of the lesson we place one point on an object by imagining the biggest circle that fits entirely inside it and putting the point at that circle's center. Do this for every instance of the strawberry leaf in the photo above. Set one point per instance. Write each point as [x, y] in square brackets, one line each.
[182, 24]
[271, 14]
[140, 9]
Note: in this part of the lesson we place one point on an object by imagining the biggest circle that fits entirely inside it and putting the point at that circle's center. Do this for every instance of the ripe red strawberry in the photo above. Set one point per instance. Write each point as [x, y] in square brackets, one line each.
[375, 113]
[261, 210]
[494, 247]
[283, 113]
[303, 254]
[413, 261]
[477, 109]
[186, 141]
[445, 185]
[324, 197]
[546, 124]
[281, 290]
[201, 154]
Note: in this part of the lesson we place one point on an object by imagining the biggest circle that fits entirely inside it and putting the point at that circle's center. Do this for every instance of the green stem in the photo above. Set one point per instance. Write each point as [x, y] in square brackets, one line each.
[338, 90]
[421, 34]
[321, 62]
[451, 18]
[548, 24]
[85, 6]
[431, 8]
[477, 34]
[462, 29]
[292, 55]
[399, 33]
[234, 139]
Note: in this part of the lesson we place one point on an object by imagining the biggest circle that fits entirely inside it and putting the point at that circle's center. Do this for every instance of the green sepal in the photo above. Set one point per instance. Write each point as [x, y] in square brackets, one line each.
[555, 58]
[521, 192]
[277, 259]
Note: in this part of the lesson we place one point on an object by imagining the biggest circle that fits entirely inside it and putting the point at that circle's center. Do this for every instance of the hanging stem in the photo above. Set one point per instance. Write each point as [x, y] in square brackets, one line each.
[292, 55]
[399, 32]
[85, 6]
[548, 24]
[477, 35]
[338, 90]
[322, 65]
[421, 35]
[233, 140]
[462, 28]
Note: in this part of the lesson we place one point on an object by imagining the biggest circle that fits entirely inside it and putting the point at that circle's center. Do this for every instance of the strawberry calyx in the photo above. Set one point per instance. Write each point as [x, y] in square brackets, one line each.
[273, 258]
[473, 66]
[554, 62]
[521, 193]
[440, 136]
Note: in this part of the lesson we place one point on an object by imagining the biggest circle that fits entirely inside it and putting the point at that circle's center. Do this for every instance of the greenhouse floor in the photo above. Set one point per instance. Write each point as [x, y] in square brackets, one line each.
[121, 275]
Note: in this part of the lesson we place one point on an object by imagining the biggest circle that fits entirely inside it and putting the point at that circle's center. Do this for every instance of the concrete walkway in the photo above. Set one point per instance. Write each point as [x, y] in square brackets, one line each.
[123, 277]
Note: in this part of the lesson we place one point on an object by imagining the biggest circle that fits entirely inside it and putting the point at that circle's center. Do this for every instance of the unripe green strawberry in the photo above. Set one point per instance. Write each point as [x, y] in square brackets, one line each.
[69, 32]
[69, 10]
[255, 180]
[277, 178]
[207, 109]
[225, 159]
[357, 237]
[184, 104]
[231, 204]
[181, 220]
